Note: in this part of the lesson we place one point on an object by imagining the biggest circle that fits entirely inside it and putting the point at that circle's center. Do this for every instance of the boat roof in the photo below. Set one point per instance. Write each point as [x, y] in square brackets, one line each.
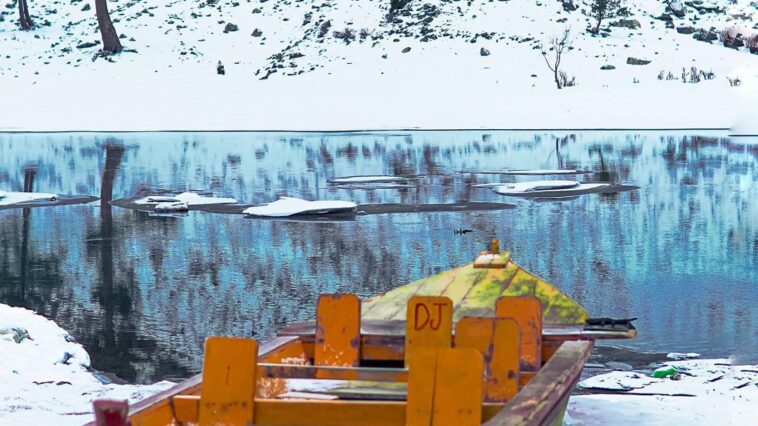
[474, 291]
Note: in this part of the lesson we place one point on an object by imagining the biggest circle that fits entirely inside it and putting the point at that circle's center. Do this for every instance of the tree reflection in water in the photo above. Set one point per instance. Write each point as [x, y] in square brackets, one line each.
[142, 293]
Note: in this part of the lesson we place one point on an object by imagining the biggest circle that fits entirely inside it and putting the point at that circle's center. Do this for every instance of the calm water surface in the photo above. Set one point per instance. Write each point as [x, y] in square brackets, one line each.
[142, 293]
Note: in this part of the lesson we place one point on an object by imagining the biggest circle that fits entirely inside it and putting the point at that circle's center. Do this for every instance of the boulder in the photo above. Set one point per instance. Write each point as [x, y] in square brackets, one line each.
[257, 32]
[676, 7]
[568, 5]
[635, 61]
[87, 45]
[632, 24]
[706, 36]
[686, 30]
[607, 67]
[484, 52]
[230, 28]
[406, 50]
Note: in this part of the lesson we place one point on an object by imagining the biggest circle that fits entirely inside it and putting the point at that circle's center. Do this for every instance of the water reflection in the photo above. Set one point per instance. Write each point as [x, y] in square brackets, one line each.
[142, 293]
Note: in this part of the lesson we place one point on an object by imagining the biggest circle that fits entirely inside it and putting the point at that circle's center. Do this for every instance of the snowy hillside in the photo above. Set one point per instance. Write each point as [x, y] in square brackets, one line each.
[351, 64]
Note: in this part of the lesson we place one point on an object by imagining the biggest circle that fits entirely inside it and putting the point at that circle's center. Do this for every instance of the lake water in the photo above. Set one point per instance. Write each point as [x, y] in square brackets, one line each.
[142, 293]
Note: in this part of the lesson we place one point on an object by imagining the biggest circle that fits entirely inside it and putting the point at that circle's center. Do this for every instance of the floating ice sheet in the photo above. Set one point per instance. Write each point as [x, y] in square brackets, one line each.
[288, 206]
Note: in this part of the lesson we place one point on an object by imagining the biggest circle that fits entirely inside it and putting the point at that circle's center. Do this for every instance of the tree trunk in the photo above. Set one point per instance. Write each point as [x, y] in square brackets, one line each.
[597, 27]
[23, 16]
[111, 43]
[557, 80]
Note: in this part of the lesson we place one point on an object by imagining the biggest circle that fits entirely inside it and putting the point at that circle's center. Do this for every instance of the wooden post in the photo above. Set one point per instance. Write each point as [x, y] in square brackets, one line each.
[228, 393]
[111, 412]
[429, 324]
[497, 339]
[338, 332]
[527, 311]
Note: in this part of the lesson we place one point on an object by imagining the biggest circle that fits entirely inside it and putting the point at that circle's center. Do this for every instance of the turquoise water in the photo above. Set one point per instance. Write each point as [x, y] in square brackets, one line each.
[142, 293]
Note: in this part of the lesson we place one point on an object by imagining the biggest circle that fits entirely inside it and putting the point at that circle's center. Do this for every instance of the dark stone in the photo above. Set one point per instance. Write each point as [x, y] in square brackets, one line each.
[484, 52]
[607, 67]
[677, 8]
[706, 36]
[665, 17]
[220, 69]
[568, 5]
[635, 61]
[632, 24]
[87, 45]
[296, 55]
[257, 33]
[230, 28]
[406, 50]
[686, 30]
[86, 7]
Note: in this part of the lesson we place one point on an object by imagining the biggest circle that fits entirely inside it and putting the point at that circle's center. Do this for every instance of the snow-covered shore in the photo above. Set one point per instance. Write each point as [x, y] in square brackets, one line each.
[44, 376]
[423, 70]
[707, 392]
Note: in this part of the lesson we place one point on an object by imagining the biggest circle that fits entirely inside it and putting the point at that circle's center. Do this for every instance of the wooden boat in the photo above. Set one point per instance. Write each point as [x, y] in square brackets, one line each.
[487, 343]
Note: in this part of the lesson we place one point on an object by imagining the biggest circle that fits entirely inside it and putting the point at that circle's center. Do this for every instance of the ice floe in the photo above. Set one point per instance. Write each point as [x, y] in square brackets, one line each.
[367, 179]
[10, 198]
[288, 206]
[678, 356]
[44, 376]
[171, 206]
[189, 198]
[704, 392]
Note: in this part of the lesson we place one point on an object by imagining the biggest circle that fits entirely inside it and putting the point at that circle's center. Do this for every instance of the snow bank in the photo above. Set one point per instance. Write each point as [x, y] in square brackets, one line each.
[710, 392]
[10, 198]
[288, 206]
[44, 377]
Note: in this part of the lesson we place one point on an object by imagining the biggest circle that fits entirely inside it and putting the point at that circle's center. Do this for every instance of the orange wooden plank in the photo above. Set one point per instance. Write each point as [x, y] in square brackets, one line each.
[338, 332]
[421, 376]
[429, 323]
[528, 312]
[497, 339]
[458, 388]
[185, 408]
[228, 392]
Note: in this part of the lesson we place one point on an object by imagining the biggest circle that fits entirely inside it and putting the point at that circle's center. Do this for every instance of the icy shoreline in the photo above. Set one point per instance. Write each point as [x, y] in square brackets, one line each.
[710, 391]
[44, 379]
[45, 376]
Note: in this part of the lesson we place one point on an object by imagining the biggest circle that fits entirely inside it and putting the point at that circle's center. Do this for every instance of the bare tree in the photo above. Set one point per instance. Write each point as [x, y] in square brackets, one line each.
[111, 43]
[23, 16]
[557, 45]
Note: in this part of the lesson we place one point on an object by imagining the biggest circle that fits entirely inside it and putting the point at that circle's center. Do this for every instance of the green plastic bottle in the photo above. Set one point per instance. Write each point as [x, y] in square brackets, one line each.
[665, 371]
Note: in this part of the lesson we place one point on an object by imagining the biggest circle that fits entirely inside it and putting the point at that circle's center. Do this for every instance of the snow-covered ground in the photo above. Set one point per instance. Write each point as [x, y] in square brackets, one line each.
[707, 392]
[44, 376]
[440, 64]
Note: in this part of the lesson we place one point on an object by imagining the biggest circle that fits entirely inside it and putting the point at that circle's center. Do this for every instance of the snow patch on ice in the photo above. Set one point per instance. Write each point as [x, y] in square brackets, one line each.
[189, 198]
[10, 198]
[678, 356]
[287, 206]
[367, 179]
